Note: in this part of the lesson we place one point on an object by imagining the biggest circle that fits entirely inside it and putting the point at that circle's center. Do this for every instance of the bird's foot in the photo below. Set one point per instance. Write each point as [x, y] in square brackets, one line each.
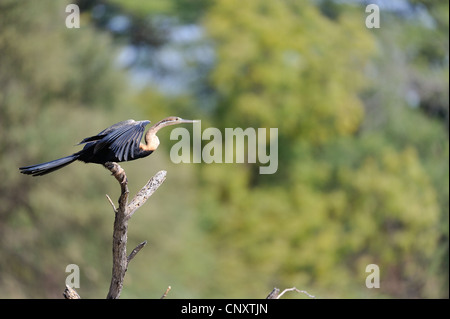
[118, 172]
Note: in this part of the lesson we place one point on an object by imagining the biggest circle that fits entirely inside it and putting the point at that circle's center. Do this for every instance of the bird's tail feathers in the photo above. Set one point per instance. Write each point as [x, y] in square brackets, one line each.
[48, 167]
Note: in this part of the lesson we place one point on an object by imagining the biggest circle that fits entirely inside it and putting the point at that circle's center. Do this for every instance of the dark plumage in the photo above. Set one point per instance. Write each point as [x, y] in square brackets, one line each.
[117, 143]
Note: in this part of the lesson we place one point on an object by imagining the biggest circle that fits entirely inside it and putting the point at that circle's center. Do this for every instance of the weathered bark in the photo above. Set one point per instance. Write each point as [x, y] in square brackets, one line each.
[275, 293]
[120, 233]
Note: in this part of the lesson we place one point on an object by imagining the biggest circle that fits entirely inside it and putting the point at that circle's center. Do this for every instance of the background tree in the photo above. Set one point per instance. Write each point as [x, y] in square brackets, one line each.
[54, 82]
[309, 224]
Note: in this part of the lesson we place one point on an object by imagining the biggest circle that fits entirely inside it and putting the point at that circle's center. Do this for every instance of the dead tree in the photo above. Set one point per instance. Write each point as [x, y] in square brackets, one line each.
[123, 213]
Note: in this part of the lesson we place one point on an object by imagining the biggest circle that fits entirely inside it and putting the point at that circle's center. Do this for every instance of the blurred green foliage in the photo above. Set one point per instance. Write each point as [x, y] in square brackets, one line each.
[363, 153]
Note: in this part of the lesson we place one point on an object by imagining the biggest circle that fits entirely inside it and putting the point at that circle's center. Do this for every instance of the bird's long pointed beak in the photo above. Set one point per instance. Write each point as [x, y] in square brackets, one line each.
[169, 121]
[188, 121]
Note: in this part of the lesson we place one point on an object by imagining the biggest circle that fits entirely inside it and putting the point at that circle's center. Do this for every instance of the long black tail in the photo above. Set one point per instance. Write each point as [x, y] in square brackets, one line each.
[45, 168]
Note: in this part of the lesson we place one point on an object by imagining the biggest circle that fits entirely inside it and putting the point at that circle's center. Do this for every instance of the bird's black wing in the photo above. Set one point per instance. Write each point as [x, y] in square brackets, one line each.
[106, 131]
[122, 138]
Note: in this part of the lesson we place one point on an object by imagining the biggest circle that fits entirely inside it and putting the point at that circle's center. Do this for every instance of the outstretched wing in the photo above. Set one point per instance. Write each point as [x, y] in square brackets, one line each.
[108, 130]
[122, 138]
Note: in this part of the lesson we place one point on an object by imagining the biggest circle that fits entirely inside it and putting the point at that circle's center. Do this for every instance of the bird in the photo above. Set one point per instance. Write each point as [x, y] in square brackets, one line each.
[118, 143]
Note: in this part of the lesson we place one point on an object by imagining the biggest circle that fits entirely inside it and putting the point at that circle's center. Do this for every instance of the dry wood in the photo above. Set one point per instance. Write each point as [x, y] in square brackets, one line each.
[70, 293]
[122, 214]
[166, 292]
[275, 293]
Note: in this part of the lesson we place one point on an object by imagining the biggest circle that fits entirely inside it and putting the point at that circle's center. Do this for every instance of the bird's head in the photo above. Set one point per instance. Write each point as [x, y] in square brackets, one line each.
[171, 120]
[151, 140]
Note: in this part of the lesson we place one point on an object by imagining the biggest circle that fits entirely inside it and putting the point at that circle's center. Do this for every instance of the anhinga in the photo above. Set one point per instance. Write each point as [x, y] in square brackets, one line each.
[118, 143]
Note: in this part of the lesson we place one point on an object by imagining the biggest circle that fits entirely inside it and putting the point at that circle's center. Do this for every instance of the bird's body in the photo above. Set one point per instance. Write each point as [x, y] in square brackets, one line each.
[117, 143]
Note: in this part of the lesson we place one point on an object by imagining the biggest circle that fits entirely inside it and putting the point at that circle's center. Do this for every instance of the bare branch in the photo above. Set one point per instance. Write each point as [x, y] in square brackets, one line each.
[70, 293]
[136, 250]
[112, 204]
[119, 173]
[273, 294]
[166, 292]
[278, 296]
[145, 192]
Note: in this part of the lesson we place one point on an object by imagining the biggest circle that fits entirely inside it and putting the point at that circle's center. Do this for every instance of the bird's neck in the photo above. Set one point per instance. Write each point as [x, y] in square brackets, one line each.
[151, 141]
